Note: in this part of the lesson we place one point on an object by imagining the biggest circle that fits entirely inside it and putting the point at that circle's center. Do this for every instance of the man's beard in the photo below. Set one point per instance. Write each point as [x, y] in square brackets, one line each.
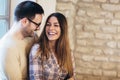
[28, 34]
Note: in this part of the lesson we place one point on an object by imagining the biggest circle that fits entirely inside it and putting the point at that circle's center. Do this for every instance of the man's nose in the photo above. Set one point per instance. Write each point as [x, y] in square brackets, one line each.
[38, 28]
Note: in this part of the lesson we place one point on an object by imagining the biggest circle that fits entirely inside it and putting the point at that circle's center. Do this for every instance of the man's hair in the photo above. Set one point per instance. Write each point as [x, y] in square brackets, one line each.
[27, 9]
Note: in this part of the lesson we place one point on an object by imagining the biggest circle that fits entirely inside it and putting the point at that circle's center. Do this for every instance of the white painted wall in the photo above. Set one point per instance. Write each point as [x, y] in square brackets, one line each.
[49, 7]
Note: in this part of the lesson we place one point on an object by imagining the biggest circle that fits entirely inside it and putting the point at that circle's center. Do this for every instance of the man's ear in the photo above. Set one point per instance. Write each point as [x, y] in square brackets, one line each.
[24, 21]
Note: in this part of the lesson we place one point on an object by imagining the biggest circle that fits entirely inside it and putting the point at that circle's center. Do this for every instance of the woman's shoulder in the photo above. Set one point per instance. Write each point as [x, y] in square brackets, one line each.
[34, 49]
[36, 46]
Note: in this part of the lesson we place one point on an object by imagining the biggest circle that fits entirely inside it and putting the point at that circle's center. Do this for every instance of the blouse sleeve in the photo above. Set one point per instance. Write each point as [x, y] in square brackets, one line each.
[33, 63]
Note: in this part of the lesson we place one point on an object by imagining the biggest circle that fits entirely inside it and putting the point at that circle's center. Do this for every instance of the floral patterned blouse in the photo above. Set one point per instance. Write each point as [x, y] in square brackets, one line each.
[48, 70]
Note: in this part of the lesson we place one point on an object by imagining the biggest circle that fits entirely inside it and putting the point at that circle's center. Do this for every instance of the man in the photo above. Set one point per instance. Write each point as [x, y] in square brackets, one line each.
[15, 44]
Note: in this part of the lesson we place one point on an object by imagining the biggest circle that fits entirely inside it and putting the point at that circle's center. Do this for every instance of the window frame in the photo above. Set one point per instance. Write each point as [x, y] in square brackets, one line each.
[6, 17]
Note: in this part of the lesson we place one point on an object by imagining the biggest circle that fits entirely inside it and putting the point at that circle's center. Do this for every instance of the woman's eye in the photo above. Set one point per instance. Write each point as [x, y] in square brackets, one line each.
[56, 25]
[47, 24]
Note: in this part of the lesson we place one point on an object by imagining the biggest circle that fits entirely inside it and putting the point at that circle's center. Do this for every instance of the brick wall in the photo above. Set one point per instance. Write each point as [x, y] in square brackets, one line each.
[94, 31]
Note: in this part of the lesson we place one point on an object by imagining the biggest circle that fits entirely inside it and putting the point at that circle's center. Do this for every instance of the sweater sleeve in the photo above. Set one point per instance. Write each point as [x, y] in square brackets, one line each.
[12, 65]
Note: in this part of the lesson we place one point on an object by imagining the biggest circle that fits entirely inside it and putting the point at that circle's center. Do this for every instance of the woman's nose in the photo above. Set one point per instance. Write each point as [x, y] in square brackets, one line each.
[51, 27]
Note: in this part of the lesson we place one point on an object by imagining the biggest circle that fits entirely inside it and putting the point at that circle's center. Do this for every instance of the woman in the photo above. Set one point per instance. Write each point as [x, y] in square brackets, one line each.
[50, 58]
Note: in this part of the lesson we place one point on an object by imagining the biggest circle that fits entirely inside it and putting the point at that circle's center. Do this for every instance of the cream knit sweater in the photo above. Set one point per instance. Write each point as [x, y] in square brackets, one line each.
[13, 58]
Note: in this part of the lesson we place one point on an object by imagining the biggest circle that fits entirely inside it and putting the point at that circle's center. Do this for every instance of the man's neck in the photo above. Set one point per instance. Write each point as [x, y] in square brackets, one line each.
[16, 31]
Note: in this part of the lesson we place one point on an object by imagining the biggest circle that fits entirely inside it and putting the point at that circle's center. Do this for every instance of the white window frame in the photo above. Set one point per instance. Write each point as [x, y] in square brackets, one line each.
[6, 17]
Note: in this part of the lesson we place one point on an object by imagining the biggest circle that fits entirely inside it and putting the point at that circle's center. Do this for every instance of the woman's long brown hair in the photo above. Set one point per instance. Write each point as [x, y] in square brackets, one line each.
[62, 47]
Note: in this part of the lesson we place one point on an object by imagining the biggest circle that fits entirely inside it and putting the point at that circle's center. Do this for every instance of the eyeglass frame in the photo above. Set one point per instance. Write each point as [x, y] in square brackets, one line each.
[37, 24]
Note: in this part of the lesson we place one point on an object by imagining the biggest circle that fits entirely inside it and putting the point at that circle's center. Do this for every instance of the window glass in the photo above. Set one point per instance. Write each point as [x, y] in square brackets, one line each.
[3, 27]
[2, 7]
[4, 16]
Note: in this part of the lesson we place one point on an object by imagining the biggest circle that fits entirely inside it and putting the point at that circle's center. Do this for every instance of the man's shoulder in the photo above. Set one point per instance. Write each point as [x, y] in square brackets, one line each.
[7, 42]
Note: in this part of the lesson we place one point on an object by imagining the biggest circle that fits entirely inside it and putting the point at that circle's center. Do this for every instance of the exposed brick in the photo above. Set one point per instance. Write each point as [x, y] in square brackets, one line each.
[108, 66]
[117, 15]
[109, 29]
[108, 51]
[95, 43]
[87, 0]
[91, 78]
[114, 1]
[97, 51]
[103, 36]
[98, 21]
[116, 22]
[100, 14]
[88, 6]
[97, 72]
[119, 44]
[87, 58]
[110, 73]
[101, 1]
[84, 35]
[94, 31]
[115, 59]
[81, 42]
[85, 71]
[81, 12]
[111, 7]
[91, 28]
[101, 58]
[79, 77]
[111, 44]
